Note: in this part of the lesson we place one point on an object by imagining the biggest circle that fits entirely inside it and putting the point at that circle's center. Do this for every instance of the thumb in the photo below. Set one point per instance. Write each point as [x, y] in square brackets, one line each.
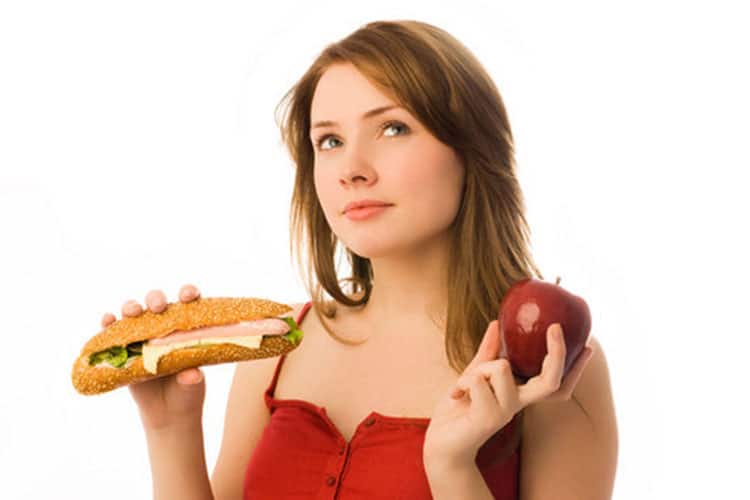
[191, 376]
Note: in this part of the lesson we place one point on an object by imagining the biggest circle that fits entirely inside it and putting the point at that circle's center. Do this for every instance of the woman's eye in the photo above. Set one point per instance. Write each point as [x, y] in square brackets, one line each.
[394, 125]
[322, 140]
[386, 126]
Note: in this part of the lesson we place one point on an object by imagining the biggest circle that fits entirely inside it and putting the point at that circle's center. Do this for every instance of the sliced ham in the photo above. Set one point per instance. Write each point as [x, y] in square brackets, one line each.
[267, 326]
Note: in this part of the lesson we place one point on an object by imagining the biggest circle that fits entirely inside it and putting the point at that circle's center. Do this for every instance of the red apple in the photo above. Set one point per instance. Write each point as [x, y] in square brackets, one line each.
[527, 309]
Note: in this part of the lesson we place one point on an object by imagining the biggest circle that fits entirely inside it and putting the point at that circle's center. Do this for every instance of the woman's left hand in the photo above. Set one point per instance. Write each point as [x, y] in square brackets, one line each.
[486, 397]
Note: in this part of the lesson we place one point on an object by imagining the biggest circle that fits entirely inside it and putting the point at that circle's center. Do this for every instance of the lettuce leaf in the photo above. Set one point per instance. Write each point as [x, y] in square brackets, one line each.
[118, 355]
[295, 334]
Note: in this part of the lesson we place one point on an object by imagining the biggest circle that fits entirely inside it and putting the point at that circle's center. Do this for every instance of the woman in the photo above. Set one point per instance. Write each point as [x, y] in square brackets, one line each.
[397, 390]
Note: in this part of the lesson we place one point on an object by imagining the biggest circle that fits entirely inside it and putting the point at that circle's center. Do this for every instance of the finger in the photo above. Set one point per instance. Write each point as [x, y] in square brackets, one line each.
[556, 352]
[549, 362]
[493, 401]
[483, 401]
[188, 293]
[131, 308]
[497, 372]
[489, 348]
[504, 385]
[108, 319]
[464, 382]
[458, 392]
[156, 301]
[190, 376]
[549, 380]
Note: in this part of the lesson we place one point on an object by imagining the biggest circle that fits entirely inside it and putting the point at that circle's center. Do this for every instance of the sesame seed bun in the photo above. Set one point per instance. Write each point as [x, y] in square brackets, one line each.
[201, 312]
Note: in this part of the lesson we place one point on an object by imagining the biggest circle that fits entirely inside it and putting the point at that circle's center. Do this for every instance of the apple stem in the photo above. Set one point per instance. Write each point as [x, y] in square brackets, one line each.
[557, 281]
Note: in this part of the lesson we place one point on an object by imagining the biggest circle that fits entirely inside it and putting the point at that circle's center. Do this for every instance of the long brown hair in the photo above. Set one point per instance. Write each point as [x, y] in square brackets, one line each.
[440, 82]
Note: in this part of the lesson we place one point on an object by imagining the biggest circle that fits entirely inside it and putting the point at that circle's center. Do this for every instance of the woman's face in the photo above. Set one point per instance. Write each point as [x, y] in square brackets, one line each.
[389, 157]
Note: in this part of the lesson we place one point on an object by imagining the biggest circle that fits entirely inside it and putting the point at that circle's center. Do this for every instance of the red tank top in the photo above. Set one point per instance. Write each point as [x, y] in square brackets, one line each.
[302, 455]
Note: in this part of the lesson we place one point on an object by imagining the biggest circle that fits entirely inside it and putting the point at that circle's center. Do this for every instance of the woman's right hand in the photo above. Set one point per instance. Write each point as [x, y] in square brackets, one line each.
[172, 400]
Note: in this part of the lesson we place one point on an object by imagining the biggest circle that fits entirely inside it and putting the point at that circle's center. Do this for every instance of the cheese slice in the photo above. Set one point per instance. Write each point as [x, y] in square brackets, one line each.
[152, 353]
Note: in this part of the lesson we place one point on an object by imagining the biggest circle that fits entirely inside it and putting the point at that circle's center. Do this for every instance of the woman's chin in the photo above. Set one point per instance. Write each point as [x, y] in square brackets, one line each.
[370, 251]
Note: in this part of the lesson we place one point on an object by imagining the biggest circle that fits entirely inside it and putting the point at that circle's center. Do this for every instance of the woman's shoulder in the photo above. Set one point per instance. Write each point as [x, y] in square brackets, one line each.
[336, 315]
[327, 305]
[296, 310]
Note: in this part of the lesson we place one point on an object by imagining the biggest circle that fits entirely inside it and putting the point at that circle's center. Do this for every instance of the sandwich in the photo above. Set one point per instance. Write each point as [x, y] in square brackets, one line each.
[205, 331]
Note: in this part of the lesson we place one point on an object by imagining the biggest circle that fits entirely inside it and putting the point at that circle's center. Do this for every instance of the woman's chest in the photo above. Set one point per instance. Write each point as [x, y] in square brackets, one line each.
[402, 378]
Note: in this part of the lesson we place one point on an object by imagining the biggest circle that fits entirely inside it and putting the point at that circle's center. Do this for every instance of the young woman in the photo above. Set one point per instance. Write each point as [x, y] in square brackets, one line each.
[397, 390]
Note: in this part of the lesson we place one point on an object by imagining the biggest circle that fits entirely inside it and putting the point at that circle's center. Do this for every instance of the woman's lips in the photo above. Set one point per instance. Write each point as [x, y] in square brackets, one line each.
[365, 212]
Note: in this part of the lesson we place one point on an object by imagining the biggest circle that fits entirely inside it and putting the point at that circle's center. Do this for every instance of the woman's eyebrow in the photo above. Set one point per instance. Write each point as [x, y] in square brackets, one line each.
[369, 114]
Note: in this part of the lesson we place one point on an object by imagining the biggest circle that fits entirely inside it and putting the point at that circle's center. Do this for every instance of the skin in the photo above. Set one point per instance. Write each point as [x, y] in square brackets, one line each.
[403, 164]
[408, 246]
[175, 399]
[487, 396]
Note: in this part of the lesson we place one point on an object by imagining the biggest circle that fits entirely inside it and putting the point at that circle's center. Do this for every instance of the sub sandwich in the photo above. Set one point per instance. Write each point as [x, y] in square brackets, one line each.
[205, 331]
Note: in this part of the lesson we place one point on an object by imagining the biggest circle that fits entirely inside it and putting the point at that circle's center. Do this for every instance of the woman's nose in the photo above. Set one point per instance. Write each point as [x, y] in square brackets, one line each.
[352, 176]
[357, 166]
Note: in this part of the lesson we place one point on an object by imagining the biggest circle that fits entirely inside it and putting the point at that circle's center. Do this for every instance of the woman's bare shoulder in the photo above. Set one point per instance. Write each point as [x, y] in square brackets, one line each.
[296, 308]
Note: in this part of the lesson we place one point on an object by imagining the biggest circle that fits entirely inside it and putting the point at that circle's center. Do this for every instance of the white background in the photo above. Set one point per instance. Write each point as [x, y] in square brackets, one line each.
[138, 150]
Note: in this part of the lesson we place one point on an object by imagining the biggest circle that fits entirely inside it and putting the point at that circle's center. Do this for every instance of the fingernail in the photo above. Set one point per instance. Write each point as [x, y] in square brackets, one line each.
[191, 377]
